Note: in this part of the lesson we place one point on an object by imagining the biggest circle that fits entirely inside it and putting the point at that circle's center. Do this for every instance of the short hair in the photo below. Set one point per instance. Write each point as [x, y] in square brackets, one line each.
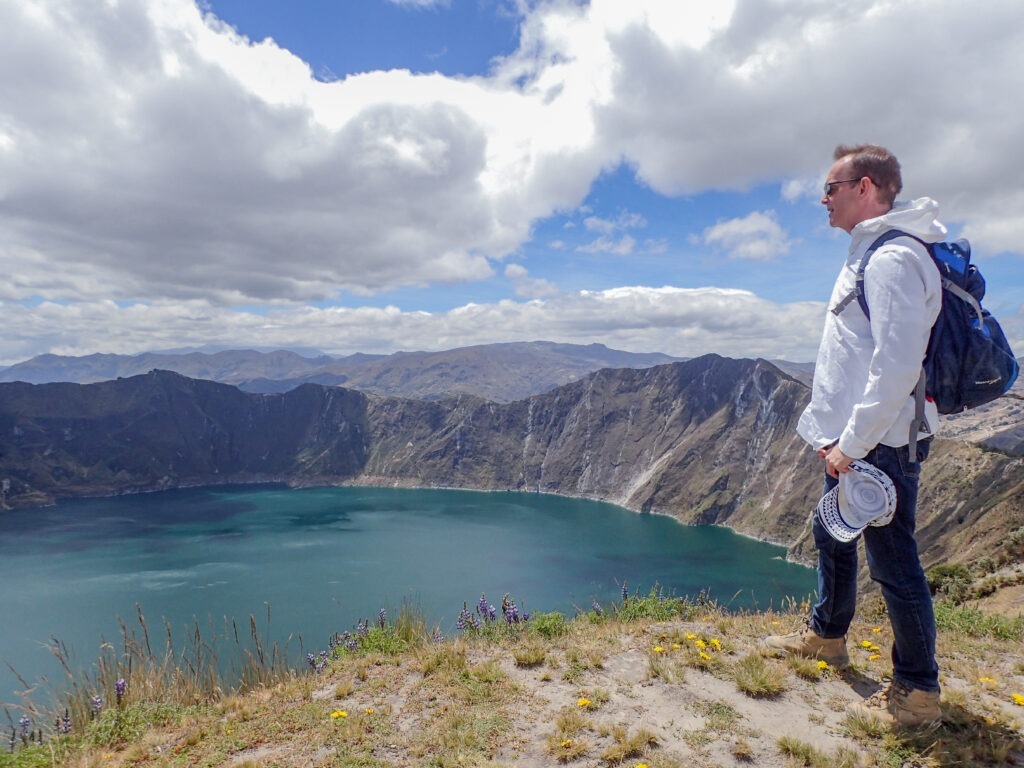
[878, 164]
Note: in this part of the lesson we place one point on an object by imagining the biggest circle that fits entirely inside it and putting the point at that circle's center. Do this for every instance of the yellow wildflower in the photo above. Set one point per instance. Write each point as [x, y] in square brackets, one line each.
[583, 703]
[822, 665]
[1018, 700]
[874, 648]
[775, 623]
[700, 644]
[676, 646]
[658, 649]
[987, 680]
[567, 743]
[865, 644]
[876, 630]
[338, 713]
[690, 636]
[716, 644]
[705, 656]
[874, 657]
[641, 765]
[369, 710]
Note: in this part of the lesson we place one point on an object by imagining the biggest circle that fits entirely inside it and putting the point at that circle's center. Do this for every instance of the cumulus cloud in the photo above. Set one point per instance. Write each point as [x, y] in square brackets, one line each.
[613, 237]
[154, 163]
[756, 236]
[526, 286]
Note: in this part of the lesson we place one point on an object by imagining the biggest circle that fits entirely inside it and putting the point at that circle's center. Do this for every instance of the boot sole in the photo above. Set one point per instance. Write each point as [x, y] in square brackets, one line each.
[840, 662]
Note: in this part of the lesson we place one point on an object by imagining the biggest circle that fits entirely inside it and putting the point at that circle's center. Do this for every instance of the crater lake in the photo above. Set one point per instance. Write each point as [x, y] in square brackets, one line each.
[308, 563]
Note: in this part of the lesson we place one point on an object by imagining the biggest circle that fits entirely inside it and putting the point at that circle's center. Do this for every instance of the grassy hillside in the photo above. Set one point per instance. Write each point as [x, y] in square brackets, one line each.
[651, 680]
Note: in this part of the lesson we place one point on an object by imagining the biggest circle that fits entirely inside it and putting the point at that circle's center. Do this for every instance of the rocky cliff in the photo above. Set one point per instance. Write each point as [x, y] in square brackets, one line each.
[708, 441]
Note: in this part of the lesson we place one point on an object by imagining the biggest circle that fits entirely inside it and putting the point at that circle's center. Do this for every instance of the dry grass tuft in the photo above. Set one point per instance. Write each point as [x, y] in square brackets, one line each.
[760, 677]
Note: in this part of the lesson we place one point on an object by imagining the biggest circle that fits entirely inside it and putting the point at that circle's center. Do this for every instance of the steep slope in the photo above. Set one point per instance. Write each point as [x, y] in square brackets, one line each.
[708, 441]
[163, 430]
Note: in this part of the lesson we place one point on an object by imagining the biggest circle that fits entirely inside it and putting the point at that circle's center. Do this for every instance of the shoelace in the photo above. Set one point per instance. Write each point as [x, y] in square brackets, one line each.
[880, 699]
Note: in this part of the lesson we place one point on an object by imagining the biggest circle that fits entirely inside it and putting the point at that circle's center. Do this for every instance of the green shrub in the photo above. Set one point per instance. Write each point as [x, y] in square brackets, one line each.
[658, 606]
[952, 579]
[974, 623]
[549, 625]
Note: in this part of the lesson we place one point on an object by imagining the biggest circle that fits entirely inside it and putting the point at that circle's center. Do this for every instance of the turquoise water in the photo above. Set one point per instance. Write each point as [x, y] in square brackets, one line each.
[321, 559]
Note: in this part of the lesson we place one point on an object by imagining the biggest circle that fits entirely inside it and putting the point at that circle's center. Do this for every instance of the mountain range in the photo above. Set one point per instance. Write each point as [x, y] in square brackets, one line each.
[707, 441]
[499, 372]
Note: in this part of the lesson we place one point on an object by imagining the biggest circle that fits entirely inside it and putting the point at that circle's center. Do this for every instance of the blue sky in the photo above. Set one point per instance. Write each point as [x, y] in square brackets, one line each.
[370, 176]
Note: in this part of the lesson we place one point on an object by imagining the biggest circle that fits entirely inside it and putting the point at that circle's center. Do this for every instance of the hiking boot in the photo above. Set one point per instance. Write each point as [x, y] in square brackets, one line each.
[900, 705]
[807, 642]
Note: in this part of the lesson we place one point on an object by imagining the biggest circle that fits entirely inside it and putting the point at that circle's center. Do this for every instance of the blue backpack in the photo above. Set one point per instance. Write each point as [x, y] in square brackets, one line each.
[968, 361]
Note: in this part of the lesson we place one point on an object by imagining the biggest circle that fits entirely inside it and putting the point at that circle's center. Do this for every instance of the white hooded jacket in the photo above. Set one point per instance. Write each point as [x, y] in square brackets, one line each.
[865, 374]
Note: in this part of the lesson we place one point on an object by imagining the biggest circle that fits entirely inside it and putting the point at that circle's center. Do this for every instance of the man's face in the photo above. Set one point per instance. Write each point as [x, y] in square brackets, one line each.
[843, 196]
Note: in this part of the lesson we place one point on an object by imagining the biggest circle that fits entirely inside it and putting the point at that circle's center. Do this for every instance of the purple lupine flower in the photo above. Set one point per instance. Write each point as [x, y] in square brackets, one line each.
[64, 724]
[382, 618]
[362, 627]
[483, 607]
[311, 660]
[25, 722]
[466, 619]
[510, 610]
[120, 688]
[625, 592]
[596, 607]
[96, 704]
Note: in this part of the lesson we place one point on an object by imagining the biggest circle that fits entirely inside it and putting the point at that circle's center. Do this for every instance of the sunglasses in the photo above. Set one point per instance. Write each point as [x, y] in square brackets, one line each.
[830, 184]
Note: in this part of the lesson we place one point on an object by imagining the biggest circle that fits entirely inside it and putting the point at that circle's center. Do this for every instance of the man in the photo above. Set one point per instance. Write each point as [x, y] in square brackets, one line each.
[862, 407]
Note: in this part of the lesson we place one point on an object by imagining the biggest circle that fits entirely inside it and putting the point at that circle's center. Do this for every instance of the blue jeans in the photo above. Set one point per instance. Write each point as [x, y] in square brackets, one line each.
[894, 564]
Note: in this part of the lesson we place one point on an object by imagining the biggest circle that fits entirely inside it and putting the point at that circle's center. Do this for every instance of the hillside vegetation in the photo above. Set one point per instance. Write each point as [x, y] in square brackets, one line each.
[651, 681]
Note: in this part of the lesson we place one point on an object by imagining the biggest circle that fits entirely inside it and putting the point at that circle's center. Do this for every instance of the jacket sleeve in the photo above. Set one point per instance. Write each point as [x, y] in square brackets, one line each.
[897, 289]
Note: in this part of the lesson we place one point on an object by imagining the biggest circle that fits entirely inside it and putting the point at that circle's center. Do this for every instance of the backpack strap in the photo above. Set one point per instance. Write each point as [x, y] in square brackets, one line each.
[919, 423]
[857, 292]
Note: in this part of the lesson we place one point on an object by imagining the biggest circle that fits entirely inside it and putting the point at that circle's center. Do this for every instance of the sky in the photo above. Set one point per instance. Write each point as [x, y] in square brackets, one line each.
[381, 175]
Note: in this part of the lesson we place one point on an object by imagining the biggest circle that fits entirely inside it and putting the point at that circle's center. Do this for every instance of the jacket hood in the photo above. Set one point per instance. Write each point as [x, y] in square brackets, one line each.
[917, 217]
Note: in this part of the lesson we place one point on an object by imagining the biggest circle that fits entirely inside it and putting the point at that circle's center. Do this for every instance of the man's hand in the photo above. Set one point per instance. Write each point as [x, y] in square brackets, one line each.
[836, 461]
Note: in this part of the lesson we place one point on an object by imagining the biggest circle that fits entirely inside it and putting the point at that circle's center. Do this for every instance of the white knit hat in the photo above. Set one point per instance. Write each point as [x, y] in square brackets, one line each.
[865, 496]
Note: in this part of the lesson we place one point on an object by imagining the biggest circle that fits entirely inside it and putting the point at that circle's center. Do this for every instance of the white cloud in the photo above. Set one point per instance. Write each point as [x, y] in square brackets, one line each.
[757, 236]
[527, 287]
[620, 223]
[610, 240]
[621, 246]
[683, 322]
[158, 169]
